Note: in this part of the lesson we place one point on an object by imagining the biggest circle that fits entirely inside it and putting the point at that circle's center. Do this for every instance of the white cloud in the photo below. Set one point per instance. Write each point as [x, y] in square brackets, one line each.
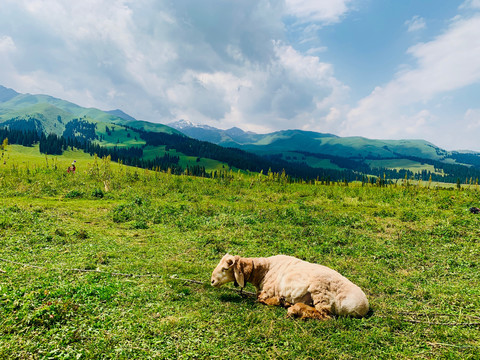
[447, 63]
[470, 4]
[7, 50]
[222, 63]
[472, 117]
[324, 11]
[293, 92]
[415, 23]
[317, 50]
[6, 44]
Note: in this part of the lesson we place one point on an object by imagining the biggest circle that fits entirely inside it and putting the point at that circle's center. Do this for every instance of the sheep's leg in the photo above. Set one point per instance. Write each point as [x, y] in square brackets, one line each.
[272, 300]
[307, 312]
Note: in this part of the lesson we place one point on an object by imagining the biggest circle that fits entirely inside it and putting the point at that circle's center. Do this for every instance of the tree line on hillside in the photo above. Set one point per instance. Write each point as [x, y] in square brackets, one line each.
[55, 145]
[443, 172]
[20, 137]
[352, 169]
[52, 144]
[80, 129]
[21, 124]
[241, 159]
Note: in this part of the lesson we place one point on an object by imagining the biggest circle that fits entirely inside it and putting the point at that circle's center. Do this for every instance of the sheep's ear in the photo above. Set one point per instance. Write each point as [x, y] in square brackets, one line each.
[238, 272]
[230, 261]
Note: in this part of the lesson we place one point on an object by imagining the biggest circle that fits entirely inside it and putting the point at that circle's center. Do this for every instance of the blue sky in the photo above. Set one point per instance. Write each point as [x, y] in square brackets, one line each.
[370, 44]
[385, 69]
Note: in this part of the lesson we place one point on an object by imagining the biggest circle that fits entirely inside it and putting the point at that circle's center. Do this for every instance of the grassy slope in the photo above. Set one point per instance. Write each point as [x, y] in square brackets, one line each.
[292, 140]
[22, 102]
[399, 164]
[287, 142]
[150, 152]
[148, 126]
[120, 136]
[412, 250]
[30, 157]
[50, 108]
[312, 161]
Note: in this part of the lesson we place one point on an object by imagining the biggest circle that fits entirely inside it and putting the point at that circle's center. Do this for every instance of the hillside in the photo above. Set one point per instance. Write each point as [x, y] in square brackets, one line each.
[55, 113]
[318, 149]
[101, 129]
[132, 141]
[313, 142]
[203, 150]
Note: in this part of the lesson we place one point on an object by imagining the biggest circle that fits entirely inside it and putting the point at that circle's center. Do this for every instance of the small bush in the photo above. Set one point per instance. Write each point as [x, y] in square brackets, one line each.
[139, 224]
[122, 213]
[72, 194]
[82, 234]
[98, 193]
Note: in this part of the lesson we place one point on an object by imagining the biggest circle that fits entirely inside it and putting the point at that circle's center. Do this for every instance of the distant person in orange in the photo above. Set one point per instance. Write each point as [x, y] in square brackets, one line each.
[72, 168]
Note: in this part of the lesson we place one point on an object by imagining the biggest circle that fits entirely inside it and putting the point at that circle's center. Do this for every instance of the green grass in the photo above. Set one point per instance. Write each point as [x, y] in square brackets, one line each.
[400, 164]
[413, 250]
[29, 157]
[118, 136]
[312, 161]
[150, 152]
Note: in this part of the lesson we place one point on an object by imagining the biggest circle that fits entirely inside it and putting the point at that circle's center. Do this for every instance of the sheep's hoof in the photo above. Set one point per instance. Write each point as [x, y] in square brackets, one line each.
[303, 311]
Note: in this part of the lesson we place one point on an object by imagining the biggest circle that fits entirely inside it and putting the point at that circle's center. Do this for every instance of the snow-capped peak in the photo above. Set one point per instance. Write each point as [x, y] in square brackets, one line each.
[181, 124]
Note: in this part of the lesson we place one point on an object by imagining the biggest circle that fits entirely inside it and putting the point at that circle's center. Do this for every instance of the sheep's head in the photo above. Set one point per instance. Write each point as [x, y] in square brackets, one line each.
[224, 272]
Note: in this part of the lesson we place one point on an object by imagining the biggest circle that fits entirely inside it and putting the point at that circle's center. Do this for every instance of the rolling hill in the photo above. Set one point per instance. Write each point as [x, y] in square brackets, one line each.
[313, 142]
[302, 154]
[55, 113]
[139, 143]
[323, 150]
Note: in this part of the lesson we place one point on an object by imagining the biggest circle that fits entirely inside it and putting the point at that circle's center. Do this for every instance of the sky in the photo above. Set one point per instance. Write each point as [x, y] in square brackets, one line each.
[381, 69]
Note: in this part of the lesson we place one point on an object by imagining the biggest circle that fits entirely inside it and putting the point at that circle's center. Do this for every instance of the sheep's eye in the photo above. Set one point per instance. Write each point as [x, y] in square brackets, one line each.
[224, 269]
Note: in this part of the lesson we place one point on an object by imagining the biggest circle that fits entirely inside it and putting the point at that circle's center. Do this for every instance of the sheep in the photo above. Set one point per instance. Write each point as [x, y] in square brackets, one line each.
[307, 290]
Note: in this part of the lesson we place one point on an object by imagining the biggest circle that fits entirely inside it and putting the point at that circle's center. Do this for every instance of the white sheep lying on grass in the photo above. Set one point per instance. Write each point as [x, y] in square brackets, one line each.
[307, 290]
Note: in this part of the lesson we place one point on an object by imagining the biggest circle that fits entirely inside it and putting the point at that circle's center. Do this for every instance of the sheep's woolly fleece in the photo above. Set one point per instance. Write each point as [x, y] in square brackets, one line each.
[308, 290]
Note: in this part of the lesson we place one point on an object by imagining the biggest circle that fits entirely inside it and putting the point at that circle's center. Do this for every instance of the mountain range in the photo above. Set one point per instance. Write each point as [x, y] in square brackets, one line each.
[299, 151]
[311, 142]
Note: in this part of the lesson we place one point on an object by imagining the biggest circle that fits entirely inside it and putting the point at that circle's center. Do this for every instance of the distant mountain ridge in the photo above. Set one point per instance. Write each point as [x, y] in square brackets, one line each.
[6, 93]
[312, 142]
[55, 113]
[119, 113]
[304, 154]
[358, 154]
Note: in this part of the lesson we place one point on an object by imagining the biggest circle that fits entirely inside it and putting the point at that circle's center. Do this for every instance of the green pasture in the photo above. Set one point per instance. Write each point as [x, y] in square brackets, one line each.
[114, 262]
[311, 161]
[118, 136]
[30, 160]
[21, 157]
[150, 152]
[399, 164]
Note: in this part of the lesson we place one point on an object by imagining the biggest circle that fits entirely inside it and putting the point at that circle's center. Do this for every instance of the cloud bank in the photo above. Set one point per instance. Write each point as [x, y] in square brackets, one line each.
[411, 103]
[222, 63]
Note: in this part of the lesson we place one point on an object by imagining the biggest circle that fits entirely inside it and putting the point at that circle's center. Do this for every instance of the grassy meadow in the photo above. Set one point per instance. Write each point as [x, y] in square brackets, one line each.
[94, 265]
